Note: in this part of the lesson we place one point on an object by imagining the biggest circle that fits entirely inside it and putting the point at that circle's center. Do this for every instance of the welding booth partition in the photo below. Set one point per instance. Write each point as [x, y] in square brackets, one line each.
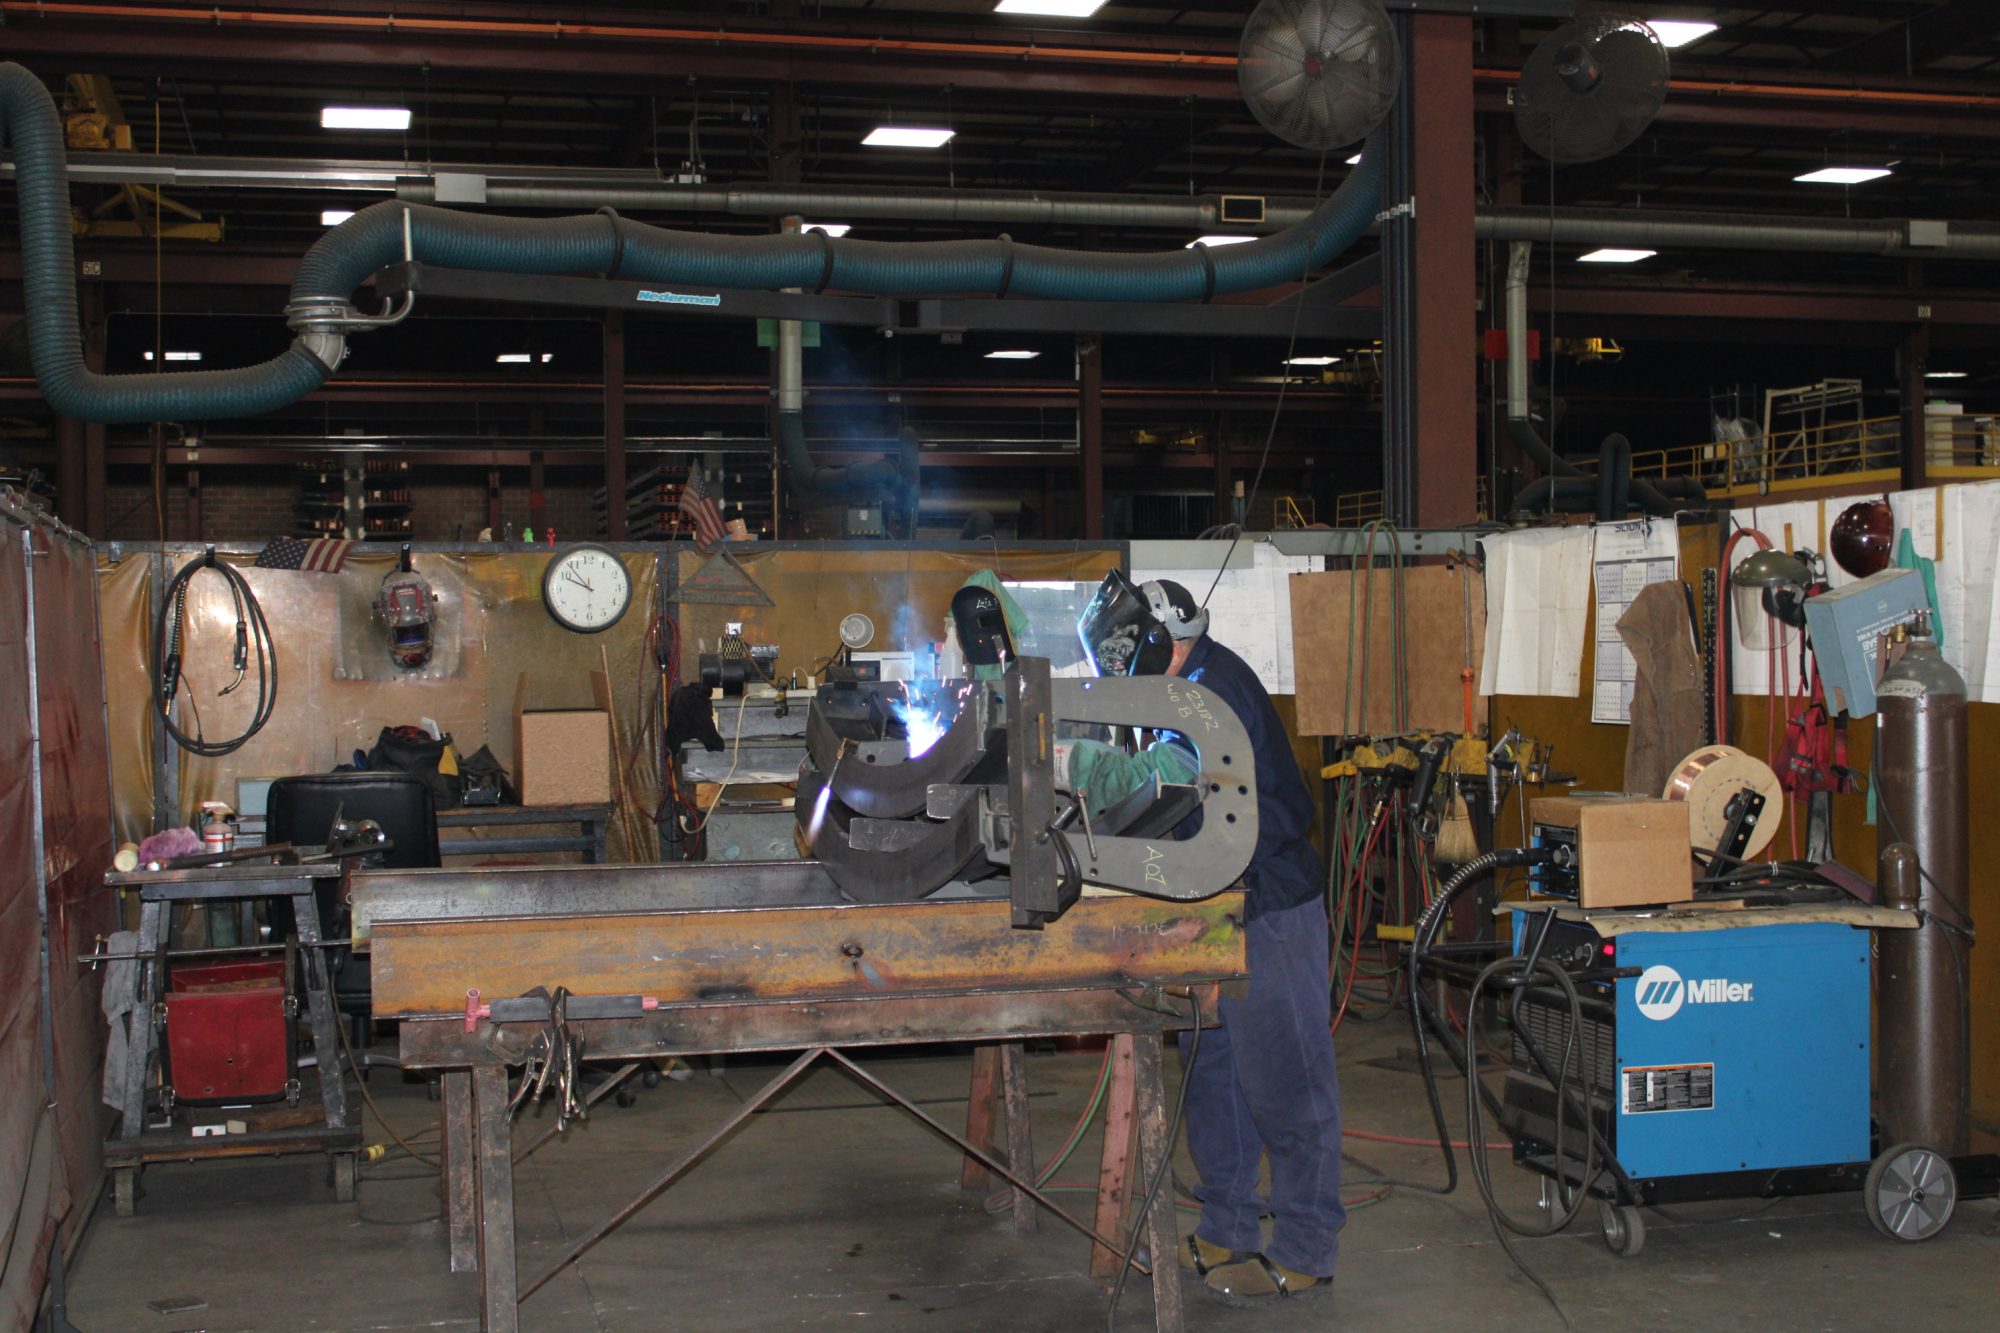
[337, 686]
[1595, 753]
[55, 845]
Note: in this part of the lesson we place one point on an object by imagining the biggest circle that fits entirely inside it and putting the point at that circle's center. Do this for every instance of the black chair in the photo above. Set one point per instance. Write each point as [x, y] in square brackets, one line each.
[301, 810]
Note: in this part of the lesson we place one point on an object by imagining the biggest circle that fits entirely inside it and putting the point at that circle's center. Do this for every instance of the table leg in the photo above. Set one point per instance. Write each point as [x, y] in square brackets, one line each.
[500, 1313]
[595, 830]
[320, 1011]
[1020, 1137]
[1155, 1152]
[1115, 1195]
[982, 1106]
[139, 1049]
[459, 1167]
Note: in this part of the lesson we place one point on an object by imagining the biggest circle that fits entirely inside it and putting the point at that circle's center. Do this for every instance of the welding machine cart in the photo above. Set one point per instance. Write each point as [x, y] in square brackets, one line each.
[1725, 1055]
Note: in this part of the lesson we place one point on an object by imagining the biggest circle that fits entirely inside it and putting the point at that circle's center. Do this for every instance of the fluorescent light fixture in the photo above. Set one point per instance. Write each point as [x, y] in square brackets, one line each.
[1312, 361]
[1354, 161]
[513, 358]
[906, 136]
[333, 217]
[833, 229]
[1842, 176]
[548, 357]
[1611, 254]
[364, 118]
[1679, 32]
[1012, 354]
[178, 356]
[1928, 374]
[1050, 9]
[1212, 241]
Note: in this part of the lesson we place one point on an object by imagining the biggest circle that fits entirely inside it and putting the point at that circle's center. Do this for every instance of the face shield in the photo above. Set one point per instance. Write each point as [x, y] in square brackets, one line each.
[1120, 634]
[405, 604]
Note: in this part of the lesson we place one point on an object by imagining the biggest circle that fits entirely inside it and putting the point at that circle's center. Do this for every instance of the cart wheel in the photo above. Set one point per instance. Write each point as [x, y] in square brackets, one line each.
[1552, 1200]
[1624, 1228]
[343, 1176]
[1910, 1192]
[125, 1191]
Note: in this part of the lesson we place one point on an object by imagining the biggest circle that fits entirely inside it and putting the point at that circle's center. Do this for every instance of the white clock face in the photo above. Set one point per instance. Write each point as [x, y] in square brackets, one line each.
[586, 589]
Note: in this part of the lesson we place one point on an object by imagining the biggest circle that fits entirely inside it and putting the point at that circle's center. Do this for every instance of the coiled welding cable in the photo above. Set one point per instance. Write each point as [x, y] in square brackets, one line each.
[253, 642]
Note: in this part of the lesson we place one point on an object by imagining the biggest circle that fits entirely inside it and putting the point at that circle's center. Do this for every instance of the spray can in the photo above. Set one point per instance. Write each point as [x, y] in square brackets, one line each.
[218, 829]
[1924, 987]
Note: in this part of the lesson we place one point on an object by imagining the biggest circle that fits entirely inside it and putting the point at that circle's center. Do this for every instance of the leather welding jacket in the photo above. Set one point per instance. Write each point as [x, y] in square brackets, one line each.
[1284, 870]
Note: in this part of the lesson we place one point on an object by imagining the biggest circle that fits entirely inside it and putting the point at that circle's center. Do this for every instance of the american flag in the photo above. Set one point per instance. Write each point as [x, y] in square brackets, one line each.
[315, 555]
[702, 511]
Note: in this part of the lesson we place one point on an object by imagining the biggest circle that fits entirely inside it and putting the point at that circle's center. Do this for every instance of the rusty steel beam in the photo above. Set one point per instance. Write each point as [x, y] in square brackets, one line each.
[425, 967]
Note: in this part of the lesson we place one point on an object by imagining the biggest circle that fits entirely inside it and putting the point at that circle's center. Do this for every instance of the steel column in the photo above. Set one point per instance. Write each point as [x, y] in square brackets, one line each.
[1912, 360]
[1399, 344]
[1090, 431]
[614, 425]
[1444, 366]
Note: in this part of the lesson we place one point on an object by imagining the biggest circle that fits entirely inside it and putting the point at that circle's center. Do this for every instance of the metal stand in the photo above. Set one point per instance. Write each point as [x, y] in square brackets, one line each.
[134, 1145]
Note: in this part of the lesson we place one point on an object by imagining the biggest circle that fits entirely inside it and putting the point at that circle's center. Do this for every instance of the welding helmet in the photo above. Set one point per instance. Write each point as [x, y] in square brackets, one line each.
[1130, 629]
[406, 605]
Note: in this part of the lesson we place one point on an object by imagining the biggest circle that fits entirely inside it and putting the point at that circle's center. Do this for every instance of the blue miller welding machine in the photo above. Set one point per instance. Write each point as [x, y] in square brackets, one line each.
[1728, 1058]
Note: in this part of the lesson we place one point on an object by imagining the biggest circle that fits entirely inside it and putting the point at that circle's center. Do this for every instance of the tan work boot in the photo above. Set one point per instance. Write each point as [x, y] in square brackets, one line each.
[1255, 1280]
[1200, 1258]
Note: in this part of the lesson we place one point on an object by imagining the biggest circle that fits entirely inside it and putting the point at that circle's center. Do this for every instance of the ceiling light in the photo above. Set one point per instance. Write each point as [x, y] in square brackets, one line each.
[1678, 32]
[1052, 9]
[1928, 374]
[1354, 161]
[906, 136]
[178, 356]
[364, 118]
[1012, 354]
[513, 358]
[1312, 360]
[1842, 175]
[548, 357]
[1613, 255]
[833, 229]
[1213, 241]
[333, 217]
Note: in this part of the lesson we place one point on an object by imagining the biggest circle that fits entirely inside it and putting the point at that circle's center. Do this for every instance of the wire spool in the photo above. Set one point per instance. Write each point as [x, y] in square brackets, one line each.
[1709, 779]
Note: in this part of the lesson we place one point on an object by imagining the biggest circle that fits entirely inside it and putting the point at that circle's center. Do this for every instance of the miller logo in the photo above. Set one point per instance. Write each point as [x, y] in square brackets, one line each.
[1661, 992]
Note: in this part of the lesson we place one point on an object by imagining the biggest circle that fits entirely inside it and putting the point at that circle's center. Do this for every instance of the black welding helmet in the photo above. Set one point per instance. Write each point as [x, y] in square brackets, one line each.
[1120, 633]
[405, 603]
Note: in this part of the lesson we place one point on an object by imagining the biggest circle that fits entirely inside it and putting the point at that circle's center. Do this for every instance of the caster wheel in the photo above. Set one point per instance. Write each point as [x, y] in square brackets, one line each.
[1910, 1192]
[343, 1166]
[433, 1089]
[1624, 1229]
[650, 1078]
[1552, 1202]
[125, 1191]
[626, 1097]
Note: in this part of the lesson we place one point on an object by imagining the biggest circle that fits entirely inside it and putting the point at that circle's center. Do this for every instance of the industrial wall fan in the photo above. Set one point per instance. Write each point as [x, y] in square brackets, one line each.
[1591, 88]
[1319, 73]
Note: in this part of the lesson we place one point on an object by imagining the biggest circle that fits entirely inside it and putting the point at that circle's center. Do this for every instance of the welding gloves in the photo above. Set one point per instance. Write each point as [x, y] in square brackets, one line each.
[1110, 774]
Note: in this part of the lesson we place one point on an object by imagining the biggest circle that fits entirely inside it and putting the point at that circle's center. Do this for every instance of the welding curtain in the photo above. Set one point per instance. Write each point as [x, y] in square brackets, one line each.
[51, 1039]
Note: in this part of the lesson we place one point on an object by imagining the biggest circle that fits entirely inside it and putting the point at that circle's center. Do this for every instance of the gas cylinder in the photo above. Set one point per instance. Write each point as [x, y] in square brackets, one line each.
[1924, 985]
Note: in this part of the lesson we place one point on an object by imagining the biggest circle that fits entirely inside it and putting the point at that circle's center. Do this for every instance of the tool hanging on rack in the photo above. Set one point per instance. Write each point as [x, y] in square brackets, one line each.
[253, 642]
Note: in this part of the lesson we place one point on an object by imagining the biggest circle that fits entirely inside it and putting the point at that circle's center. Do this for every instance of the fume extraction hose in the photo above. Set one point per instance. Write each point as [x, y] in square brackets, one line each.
[598, 243]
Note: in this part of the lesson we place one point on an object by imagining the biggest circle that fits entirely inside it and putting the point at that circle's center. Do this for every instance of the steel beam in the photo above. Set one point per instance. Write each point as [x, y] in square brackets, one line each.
[1444, 362]
[1090, 433]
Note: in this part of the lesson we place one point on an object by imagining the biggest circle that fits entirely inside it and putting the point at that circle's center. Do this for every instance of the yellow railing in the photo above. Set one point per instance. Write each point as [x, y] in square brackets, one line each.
[1869, 450]
[1358, 507]
[1293, 511]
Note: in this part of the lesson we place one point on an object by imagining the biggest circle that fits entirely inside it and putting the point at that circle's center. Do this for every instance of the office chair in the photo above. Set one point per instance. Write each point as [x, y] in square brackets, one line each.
[301, 810]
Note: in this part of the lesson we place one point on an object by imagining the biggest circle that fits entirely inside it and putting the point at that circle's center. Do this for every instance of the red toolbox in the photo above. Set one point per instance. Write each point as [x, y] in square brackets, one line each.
[229, 1032]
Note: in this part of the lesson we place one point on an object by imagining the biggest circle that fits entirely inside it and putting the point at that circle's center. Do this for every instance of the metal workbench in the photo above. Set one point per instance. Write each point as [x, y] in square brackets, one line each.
[756, 957]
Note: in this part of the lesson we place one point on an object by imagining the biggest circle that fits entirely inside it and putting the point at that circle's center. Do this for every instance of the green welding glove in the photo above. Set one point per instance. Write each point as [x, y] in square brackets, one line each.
[1110, 774]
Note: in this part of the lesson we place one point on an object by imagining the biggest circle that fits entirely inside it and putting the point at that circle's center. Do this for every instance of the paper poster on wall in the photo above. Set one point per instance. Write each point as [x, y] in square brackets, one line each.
[1537, 602]
[1629, 557]
[1968, 591]
[1250, 610]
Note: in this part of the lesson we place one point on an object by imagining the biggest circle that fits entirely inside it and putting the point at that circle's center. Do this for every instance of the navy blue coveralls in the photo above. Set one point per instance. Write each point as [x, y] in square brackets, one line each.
[1264, 1081]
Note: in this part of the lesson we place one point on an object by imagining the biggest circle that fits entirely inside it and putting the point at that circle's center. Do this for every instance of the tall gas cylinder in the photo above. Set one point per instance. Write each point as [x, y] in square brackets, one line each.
[1925, 983]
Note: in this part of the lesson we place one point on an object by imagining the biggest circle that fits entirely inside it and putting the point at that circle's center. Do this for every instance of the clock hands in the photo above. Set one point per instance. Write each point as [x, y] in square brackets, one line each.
[569, 572]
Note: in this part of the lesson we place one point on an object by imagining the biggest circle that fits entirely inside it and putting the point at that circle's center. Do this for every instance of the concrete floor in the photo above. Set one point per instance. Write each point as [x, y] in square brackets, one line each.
[831, 1210]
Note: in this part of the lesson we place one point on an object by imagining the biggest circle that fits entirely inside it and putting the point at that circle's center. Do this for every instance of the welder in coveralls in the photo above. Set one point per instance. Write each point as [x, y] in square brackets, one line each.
[1263, 1083]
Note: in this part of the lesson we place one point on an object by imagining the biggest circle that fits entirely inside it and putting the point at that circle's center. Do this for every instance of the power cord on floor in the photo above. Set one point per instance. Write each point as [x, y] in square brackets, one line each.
[1166, 1168]
[340, 1030]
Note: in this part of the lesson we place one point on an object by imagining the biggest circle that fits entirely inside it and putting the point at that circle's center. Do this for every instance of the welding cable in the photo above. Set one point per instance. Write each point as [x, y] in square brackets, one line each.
[1166, 1168]
[735, 757]
[253, 645]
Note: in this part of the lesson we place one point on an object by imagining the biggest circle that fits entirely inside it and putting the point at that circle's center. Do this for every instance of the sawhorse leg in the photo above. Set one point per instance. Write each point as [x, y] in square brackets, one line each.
[320, 1012]
[1000, 1084]
[1156, 1151]
[1116, 1199]
[139, 1048]
[500, 1312]
[460, 1170]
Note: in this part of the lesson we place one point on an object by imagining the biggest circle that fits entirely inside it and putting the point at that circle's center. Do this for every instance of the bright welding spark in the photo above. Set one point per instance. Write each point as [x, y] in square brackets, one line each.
[818, 813]
[924, 730]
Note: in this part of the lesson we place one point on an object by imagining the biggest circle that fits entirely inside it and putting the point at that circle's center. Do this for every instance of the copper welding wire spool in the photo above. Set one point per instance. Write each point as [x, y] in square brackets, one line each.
[1709, 778]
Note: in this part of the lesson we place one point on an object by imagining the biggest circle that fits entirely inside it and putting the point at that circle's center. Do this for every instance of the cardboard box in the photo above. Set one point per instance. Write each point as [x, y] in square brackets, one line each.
[1847, 624]
[561, 756]
[1631, 851]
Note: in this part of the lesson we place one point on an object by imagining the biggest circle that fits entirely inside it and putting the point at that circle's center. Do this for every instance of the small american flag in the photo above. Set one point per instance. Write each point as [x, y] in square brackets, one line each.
[702, 511]
[315, 555]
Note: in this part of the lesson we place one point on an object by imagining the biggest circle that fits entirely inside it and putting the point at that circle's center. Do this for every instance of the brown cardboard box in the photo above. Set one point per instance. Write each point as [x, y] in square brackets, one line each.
[561, 756]
[1631, 851]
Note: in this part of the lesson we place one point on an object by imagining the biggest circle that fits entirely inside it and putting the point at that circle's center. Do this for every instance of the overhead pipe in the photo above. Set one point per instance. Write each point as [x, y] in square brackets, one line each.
[1709, 231]
[321, 312]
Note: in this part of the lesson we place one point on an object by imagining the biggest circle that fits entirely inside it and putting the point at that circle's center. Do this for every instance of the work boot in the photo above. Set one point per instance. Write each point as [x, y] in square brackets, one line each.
[1255, 1280]
[1200, 1258]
